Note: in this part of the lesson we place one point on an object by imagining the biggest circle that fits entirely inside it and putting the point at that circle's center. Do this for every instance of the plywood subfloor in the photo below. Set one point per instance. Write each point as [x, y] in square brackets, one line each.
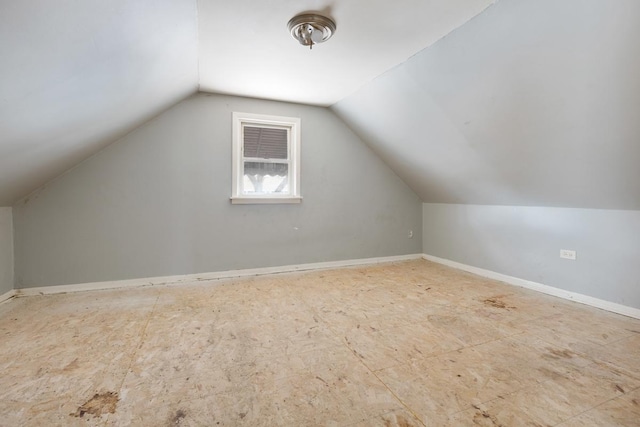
[405, 344]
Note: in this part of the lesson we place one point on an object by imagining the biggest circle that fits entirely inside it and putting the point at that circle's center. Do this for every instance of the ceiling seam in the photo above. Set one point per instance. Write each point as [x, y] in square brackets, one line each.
[197, 45]
[400, 64]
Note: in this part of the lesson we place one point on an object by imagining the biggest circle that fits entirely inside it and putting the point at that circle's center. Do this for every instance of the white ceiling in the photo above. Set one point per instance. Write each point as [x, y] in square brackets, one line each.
[76, 75]
[532, 103]
[245, 47]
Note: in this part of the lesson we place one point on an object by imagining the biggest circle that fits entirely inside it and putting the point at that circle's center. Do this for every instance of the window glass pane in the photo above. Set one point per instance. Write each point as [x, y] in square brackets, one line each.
[265, 143]
[266, 178]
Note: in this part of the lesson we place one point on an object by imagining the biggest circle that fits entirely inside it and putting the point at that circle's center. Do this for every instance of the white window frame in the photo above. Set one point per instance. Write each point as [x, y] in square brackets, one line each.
[237, 181]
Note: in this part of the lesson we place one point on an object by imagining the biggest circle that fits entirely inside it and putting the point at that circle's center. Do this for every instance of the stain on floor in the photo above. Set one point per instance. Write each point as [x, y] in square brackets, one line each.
[399, 421]
[176, 419]
[497, 302]
[483, 418]
[554, 353]
[98, 405]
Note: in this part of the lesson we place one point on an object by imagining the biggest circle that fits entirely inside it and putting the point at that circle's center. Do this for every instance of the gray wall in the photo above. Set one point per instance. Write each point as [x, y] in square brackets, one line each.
[157, 203]
[532, 103]
[6, 250]
[525, 242]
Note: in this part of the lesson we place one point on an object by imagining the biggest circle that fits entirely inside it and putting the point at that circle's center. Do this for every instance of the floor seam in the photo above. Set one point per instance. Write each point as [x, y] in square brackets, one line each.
[344, 343]
[135, 351]
[596, 406]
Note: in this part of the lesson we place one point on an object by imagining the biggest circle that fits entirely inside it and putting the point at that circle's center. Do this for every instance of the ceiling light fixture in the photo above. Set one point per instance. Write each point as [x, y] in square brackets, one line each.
[311, 28]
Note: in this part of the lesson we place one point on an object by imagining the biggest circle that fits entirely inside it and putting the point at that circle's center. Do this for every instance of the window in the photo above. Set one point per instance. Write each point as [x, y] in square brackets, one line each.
[266, 159]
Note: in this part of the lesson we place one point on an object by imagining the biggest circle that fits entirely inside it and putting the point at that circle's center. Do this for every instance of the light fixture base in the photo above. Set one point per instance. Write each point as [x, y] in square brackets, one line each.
[311, 28]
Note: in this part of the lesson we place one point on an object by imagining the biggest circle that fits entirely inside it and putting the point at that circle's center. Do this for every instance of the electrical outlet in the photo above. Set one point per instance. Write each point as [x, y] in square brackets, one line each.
[568, 254]
[410, 234]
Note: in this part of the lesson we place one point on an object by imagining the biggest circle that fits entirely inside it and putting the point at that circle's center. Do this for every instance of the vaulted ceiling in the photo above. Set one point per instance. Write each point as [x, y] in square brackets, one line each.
[531, 103]
[78, 74]
[524, 103]
[245, 48]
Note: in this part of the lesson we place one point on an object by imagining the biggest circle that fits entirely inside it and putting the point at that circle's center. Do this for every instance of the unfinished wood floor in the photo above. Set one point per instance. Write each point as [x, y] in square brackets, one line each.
[404, 344]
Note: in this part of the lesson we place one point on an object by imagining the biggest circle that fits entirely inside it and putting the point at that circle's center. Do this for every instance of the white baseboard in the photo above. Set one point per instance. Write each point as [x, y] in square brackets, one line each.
[7, 296]
[545, 289]
[154, 281]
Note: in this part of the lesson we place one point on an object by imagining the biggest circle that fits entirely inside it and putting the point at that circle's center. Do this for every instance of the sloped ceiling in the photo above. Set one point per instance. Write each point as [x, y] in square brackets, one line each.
[77, 74]
[531, 103]
[245, 48]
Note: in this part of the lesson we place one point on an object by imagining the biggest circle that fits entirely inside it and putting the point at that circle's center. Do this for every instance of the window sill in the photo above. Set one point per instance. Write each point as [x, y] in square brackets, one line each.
[264, 200]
